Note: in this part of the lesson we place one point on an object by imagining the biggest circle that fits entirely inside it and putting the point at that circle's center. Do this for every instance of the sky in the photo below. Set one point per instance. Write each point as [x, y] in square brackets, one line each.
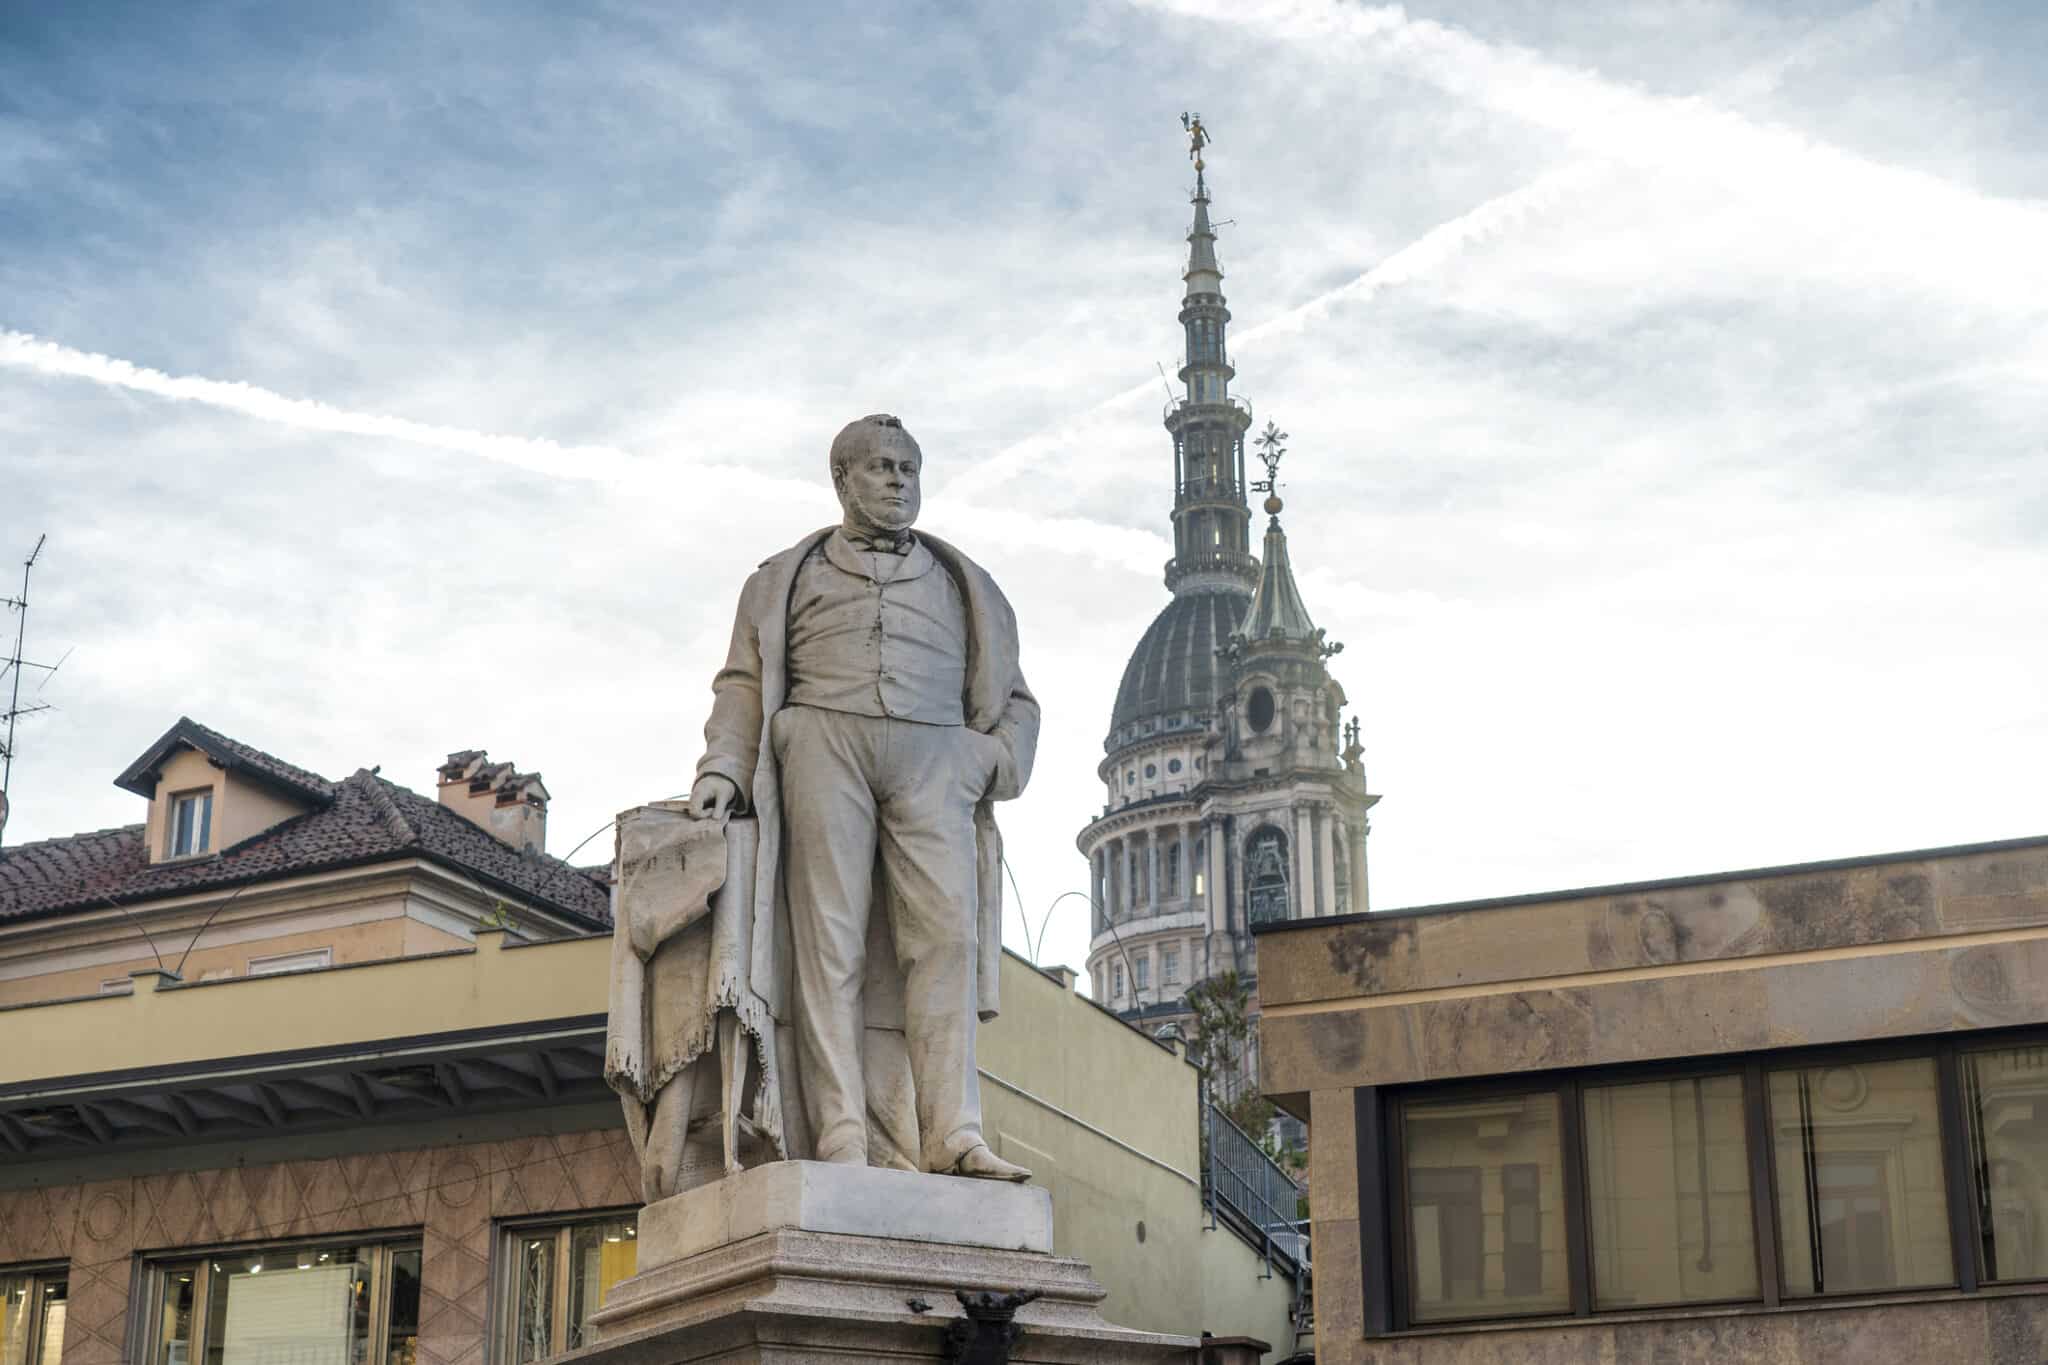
[1664, 382]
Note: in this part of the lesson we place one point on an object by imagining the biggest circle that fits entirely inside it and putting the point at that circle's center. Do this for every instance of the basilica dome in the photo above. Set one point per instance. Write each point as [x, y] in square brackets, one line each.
[1174, 677]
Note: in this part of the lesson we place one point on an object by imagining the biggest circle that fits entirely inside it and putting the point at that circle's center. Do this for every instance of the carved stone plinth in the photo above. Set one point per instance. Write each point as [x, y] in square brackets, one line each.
[760, 1269]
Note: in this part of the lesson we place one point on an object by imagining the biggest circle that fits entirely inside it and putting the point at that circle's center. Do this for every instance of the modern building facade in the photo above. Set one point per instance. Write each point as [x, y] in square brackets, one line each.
[1791, 1114]
[303, 1069]
[1233, 794]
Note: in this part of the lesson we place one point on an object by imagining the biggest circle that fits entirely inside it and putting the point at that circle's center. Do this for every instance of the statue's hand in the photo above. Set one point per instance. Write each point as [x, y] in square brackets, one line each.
[714, 797]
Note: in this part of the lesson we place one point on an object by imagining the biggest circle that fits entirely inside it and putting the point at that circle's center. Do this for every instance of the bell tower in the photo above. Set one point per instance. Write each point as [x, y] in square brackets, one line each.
[1234, 792]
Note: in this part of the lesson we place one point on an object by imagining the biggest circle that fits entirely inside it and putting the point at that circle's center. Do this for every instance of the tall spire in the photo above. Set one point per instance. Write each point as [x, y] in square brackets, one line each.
[1277, 614]
[1211, 523]
[1203, 275]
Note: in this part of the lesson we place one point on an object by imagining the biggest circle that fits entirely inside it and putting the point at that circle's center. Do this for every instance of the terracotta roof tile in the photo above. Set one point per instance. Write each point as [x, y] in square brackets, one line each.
[140, 777]
[367, 820]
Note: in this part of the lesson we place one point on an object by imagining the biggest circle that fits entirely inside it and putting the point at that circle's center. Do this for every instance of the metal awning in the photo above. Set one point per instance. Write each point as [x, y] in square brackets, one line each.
[375, 1083]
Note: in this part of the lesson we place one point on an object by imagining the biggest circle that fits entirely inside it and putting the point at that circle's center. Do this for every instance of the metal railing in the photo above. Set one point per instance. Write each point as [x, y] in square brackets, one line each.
[1244, 1187]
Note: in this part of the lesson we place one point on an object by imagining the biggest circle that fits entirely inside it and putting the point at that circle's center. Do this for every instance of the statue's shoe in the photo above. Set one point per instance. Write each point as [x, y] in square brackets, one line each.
[980, 1163]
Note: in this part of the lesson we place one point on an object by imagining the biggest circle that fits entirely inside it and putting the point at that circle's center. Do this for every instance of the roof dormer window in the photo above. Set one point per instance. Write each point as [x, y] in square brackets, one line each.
[191, 826]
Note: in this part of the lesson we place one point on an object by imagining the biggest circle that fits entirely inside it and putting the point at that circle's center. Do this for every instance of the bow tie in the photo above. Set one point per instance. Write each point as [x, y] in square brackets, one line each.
[885, 543]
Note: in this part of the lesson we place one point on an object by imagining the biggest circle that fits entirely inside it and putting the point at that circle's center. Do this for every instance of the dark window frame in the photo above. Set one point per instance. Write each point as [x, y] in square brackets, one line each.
[1386, 1229]
[40, 1275]
[501, 1300]
[153, 1266]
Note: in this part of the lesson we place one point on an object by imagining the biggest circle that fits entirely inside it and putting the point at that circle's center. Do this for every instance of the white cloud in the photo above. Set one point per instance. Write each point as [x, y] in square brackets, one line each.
[1667, 431]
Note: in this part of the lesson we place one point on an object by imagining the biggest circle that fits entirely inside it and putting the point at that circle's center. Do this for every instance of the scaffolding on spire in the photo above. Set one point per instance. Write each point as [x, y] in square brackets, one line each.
[13, 665]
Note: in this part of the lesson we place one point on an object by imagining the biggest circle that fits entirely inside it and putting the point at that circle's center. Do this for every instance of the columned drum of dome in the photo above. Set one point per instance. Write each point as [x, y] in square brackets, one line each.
[1233, 792]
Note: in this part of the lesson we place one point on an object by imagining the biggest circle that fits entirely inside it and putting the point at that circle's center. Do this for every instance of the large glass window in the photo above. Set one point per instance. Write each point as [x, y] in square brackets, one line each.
[1485, 1184]
[2005, 1099]
[1846, 1171]
[559, 1274]
[311, 1303]
[1861, 1198]
[1668, 1209]
[32, 1306]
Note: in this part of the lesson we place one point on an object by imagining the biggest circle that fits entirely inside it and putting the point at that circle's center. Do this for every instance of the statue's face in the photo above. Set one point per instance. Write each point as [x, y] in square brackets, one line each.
[879, 487]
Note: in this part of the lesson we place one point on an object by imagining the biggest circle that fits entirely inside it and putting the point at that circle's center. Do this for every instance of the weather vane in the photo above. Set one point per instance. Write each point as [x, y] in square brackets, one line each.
[1198, 137]
[1270, 451]
[1271, 448]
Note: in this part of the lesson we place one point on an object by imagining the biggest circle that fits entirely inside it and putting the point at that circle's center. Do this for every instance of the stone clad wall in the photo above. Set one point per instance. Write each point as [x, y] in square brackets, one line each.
[1931, 943]
[1927, 944]
[450, 1193]
[1982, 1331]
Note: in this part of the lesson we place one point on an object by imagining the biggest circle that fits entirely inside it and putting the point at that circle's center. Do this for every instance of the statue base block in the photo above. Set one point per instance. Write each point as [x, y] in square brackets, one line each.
[802, 1261]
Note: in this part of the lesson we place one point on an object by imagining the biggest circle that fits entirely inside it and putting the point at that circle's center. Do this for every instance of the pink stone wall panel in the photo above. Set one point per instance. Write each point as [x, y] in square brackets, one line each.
[451, 1195]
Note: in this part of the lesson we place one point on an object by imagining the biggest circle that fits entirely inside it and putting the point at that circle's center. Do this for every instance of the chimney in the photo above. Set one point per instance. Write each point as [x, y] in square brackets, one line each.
[512, 806]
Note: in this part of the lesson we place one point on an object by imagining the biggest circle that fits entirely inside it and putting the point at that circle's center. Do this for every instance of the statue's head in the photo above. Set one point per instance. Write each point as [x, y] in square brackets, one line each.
[876, 470]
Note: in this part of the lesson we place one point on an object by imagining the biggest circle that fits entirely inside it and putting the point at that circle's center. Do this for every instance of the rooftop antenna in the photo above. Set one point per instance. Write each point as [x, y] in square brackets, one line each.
[15, 663]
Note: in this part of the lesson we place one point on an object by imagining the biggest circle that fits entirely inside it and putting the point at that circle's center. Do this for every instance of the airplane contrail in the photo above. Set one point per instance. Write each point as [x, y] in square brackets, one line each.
[1141, 551]
[1420, 42]
[23, 351]
[1477, 225]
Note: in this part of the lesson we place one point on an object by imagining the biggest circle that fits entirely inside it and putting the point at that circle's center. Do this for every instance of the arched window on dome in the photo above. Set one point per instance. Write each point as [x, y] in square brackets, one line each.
[1265, 873]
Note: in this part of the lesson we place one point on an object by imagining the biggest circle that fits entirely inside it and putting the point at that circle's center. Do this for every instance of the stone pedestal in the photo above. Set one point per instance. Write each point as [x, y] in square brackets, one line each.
[801, 1261]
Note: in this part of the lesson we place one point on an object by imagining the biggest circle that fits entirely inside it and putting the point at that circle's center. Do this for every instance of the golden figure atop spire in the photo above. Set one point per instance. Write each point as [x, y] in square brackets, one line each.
[1198, 137]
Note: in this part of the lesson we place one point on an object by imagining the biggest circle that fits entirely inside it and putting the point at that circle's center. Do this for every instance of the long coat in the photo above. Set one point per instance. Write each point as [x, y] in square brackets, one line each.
[753, 686]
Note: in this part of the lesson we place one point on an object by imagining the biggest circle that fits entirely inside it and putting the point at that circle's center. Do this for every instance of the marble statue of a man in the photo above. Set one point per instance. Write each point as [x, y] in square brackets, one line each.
[870, 712]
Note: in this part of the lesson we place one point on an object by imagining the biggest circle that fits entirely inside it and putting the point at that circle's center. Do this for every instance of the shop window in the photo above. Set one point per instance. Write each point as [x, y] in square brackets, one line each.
[191, 827]
[2005, 1099]
[1668, 1209]
[557, 1275]
[337, 1302]
[1861, 1198]
[32, 1306]
[1485, 1215]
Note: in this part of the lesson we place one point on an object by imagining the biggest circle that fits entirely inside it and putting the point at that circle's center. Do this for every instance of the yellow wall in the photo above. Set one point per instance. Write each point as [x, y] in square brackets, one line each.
[1104, 1116]
[360, 915]
[1143, 1166]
